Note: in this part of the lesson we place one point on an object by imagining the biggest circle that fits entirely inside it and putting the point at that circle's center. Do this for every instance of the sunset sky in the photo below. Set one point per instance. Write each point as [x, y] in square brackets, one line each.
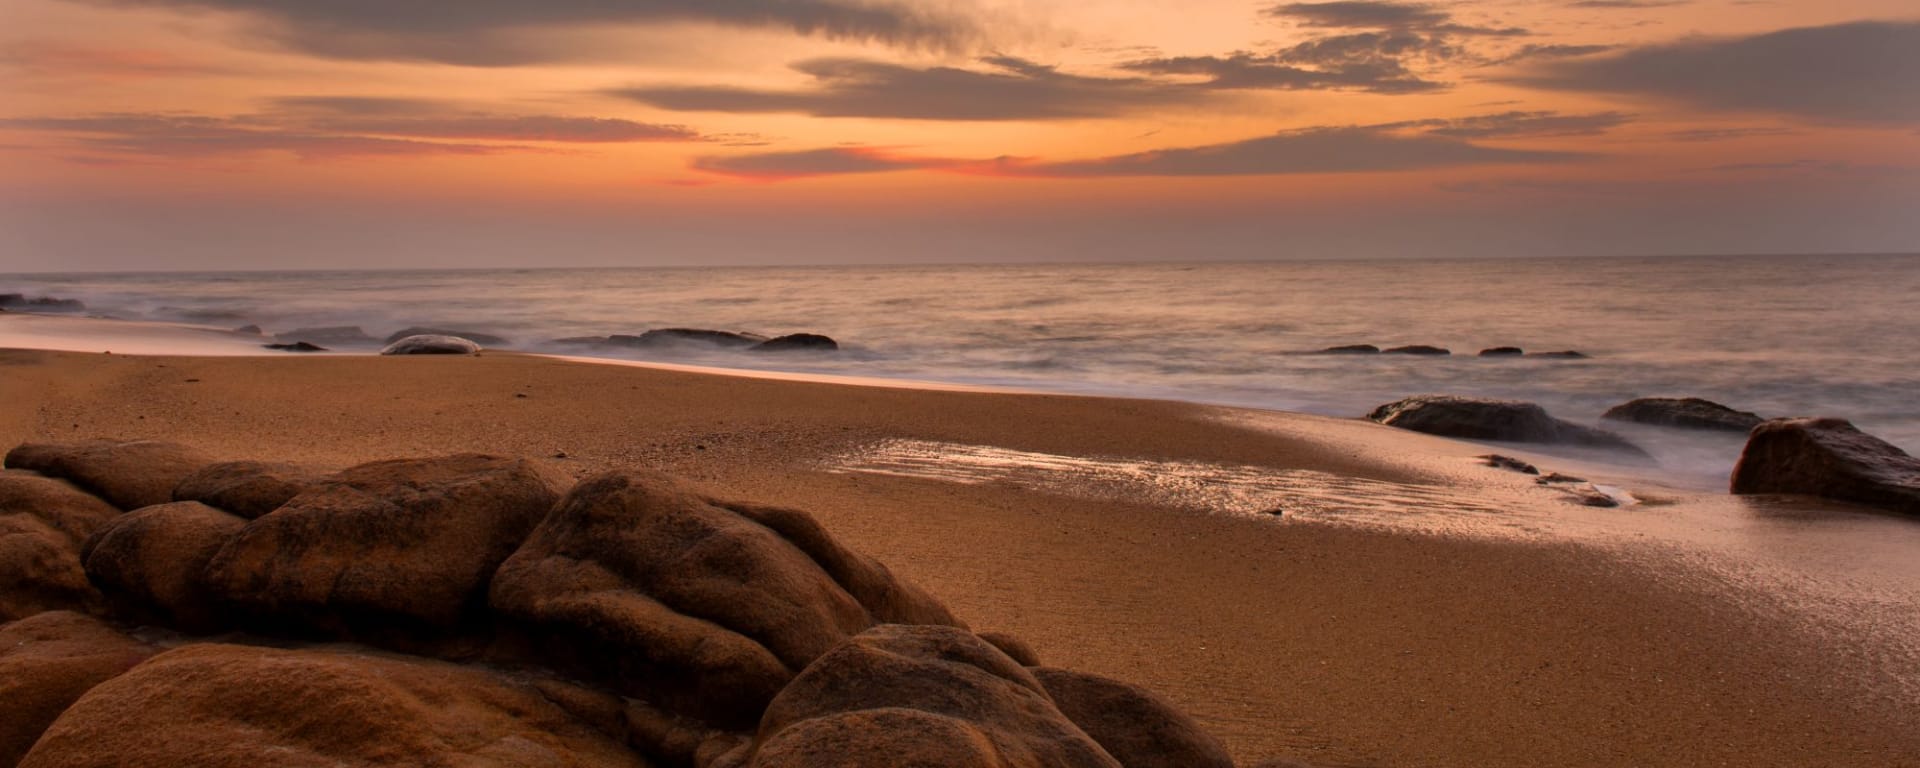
[259, 134]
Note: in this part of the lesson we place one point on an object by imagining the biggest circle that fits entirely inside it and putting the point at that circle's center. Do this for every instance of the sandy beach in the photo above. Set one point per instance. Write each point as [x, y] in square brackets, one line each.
[1396, 636]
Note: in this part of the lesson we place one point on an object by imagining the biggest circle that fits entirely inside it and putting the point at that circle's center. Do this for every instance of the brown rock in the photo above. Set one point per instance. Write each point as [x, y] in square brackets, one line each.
[1688, 412]
[46, 663]
[129, 475]
[393, 552]
[703, 608]
[227, 706]
[1137, 727]
[1015, 648]
[249, 489]
[148, 563]
[1829, 458]
[917, 695]
[1475, 418]
[43, 522]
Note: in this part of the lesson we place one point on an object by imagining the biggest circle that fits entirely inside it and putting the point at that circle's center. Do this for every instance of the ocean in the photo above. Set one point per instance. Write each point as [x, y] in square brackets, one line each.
[1777, 335]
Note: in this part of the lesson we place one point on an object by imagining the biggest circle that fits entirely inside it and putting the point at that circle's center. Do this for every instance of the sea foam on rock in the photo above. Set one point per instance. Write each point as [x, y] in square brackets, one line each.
[428, 344]
[1829, 458]
[1475, 418]
[483, 339]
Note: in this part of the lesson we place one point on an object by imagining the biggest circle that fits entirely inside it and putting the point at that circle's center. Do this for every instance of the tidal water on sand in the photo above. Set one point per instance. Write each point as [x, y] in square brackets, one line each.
[1827, 335]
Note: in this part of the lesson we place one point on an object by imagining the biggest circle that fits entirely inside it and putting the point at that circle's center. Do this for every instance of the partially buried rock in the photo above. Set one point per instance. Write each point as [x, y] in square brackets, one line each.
[227, 706]
[1416, 349]
[921, 696]
[431, 345]
[1502, 352]
[49, 661]
[128, 474]
[1137, 727]
[1498, 461]
[797, 342]
[1829, 458]
[1690, 412]
[1351, 349]
[483, 339]
[249, 489]
[703, 607]
[298, 346]
[1482, 419]
[148, 563]
[43, 523]
[396, 553]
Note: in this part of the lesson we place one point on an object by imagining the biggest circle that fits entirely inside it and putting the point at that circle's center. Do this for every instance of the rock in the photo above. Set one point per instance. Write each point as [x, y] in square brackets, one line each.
[43, 522]
[431, 345]
[662, 337]
[250, 330]
[394, 553]
[920, 696]
[796, 341]
[1015, 648]
[1587, 495]
[1498, 461]
[1556, 477]
[702, 607]
[1565, 354]
[40, 304]
[337, 334]
[1691, 412]
[1502, 352]
[148, 563]
[298, 346]
[1416, 349]
[227, 706]
[1481, 419]
[482, 339]
[249, 489]
[1829, 458]
[128, 474]
[1351, 349]
[1135, 726]
[46, 663]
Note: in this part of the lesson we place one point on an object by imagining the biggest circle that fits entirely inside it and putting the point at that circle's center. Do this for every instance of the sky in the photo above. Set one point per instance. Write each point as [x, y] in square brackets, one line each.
[282, 134]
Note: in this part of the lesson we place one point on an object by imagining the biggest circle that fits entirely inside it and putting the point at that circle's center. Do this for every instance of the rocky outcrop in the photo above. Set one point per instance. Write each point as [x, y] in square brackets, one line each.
[245, 488]
[795, 342]
[229, 706]
[391, 552]
[48, 662]
[482, 339]
[431, 345]
[907, 695]
[702, 607]
[1482, 419]
[128, 474]
[148, 563]
[336, 335]
[1829, 458]
[43, 523]
[1136, 727]
[1416, 349]
[1688, 412]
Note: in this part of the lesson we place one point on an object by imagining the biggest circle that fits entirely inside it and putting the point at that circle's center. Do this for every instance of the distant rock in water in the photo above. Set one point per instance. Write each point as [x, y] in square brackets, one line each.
[1351, 349]
[1416, 349]
[20, 302]
[1482, 419]
[431, 345]
[482, 339]
[1829, 458]
[1565, 354]
[796, 341]
[338, 334]
[251, 330]
[659, 337]
[1689, 412]
[298, 346]
[1502, 352]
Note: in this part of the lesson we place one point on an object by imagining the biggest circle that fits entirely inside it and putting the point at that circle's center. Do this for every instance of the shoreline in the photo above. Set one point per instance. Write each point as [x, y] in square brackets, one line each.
[1409, 607]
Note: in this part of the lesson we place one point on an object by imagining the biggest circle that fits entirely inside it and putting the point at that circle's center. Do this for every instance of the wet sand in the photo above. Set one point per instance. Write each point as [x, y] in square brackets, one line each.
[1382, 638]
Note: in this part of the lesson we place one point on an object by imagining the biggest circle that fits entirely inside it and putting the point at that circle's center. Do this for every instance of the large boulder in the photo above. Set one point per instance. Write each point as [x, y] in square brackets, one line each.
[431, 345]
[128, 474]
[1829, 458]
[245, 488]
[46, 663]
[43, 523]
[483, 339]
[227, 706]
[705, 608]
[1137, 727]
[1690, 412]
[921, 696]
[148, 563]
[794, 342]
[1473, 418]
[393, 552]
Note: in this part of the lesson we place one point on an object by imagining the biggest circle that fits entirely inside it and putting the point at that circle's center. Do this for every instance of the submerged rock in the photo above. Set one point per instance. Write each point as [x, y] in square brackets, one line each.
[1829, 458]
[1351, 349]
[336, 334]
[431, 345]
[128, 474]
[46, 664]
[1483, 419]
[1416, 349]
[298, 346]
[797, 341]
[1502, 352]
[482, 339]
[20, 302]
[1690, 412]
[250, 330]
[661, 337]
[229, 706]
[1565, 354]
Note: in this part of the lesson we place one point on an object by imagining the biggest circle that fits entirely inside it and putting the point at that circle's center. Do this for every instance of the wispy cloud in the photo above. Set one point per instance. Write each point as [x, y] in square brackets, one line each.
[833, 161]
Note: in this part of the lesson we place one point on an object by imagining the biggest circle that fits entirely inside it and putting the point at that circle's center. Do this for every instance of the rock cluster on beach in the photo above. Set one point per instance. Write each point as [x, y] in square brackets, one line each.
[1433, 351]
[424, 340]
[484, 610]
